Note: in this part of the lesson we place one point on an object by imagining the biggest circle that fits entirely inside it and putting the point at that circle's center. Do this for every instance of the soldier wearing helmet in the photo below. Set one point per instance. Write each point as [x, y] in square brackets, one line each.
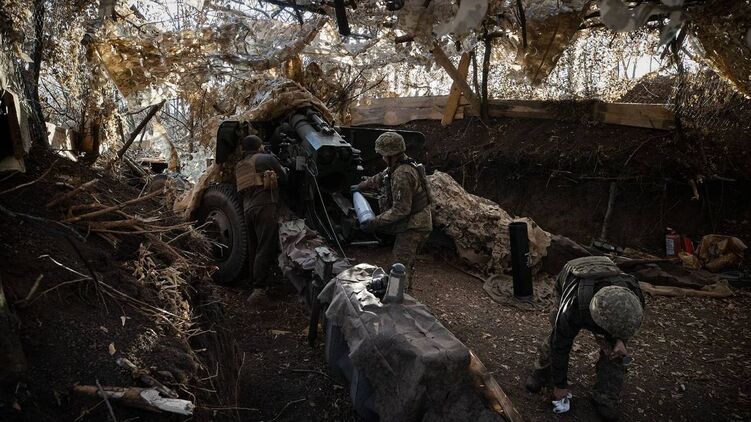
[593, 294]
[258, 175]
[405, 209]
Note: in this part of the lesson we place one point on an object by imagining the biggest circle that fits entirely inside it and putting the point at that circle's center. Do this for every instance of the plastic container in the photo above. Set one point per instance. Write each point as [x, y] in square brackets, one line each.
[362, 208]
[395, 288]
[672, 242]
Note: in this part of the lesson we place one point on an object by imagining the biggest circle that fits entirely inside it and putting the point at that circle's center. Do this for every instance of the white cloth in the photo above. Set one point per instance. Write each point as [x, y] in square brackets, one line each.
[563, 405]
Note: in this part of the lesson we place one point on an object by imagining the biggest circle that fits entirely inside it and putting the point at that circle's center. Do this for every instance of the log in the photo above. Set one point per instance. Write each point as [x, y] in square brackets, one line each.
[11, 352]
[60, 198]
[139, 398]
[717, 290]
[445, 63]
[493, 392]
[133, 135]
[145, 378]
[452, 104]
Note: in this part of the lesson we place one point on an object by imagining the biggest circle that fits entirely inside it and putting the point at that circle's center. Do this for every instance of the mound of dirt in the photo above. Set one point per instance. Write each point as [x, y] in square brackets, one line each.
[96, 289]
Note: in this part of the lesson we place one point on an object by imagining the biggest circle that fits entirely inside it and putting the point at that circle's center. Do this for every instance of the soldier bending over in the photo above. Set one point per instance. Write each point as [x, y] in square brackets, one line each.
[593, 294]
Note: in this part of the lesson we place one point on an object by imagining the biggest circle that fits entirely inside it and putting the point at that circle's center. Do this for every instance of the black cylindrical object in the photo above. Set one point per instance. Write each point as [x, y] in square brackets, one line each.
[520, 269]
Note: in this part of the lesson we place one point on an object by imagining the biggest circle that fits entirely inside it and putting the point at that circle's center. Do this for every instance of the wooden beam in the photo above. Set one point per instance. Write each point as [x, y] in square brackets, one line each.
[396, 111]
[492, 391]
[139, 128]
[455, 95]
[445, 63]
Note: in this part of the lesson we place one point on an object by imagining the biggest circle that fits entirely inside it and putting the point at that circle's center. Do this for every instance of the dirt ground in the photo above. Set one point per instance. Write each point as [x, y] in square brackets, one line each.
[282, 377]
[689, 358]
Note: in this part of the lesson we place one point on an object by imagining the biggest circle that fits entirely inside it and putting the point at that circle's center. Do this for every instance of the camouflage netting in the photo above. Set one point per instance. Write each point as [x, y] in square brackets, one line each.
[174, 62]
[479, 227]
[106, 61]
[266, 99]
[725, 38]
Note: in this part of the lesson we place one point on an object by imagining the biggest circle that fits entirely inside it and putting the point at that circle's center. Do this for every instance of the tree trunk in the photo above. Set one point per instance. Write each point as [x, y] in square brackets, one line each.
[475, 73]
[485, 71]
[31, 76]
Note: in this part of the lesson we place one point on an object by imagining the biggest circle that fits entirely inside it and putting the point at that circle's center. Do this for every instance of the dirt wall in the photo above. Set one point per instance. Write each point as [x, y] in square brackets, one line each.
[559, 174]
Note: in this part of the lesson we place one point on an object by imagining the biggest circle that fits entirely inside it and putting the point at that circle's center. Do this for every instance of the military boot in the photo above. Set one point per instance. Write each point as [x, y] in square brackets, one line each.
[538, 379]
[607, 410]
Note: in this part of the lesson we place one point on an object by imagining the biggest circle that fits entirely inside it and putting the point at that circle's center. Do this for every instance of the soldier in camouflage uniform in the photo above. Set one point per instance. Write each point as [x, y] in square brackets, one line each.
[261, 207]
[593, 294]
[406, 205]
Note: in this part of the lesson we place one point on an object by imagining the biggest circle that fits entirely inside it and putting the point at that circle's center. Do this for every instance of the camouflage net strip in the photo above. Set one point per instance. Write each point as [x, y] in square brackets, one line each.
[479, 227]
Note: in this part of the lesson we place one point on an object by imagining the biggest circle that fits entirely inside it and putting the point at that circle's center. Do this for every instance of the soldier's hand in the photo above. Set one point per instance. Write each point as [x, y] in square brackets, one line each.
[354, 188]
[560, 393]
[561, 400]
[619, 350]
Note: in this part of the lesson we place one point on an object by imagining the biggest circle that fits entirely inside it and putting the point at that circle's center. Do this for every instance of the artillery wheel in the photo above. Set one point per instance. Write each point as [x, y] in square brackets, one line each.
[222, 210]
[158, 182]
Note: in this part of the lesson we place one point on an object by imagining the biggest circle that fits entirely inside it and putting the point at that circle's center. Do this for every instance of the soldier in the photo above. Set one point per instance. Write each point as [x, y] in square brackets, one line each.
[593, 294]
[258, 176]
[406, 205]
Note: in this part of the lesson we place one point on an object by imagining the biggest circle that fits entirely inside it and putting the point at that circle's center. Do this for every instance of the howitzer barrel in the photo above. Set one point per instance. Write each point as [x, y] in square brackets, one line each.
[323, 145]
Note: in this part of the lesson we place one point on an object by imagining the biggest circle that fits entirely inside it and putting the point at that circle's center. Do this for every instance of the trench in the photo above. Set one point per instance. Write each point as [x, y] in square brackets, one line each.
[266, 370]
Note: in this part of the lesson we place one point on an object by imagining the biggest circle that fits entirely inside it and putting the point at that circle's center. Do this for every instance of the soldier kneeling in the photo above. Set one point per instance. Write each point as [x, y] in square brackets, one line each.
[593, 294]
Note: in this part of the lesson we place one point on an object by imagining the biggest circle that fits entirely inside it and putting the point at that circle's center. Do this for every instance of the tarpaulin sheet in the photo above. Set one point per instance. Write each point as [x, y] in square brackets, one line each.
[298, 252]
[417, 368]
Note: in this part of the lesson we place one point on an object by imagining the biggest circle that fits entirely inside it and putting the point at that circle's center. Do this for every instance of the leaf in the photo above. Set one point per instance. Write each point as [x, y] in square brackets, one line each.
[112, 349]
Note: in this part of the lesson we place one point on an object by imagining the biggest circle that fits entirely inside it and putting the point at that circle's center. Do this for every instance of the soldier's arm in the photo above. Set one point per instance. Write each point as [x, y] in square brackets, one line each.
[403, 187]
[373, 182]
[561, 341]
[277, 167]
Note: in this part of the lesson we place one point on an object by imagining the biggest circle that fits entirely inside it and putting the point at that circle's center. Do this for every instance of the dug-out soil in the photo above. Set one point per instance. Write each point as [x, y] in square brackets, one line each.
[560, 175]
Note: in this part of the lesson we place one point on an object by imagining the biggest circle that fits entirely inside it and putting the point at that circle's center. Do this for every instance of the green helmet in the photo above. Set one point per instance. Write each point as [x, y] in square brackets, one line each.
[390, 143]
[617, 310]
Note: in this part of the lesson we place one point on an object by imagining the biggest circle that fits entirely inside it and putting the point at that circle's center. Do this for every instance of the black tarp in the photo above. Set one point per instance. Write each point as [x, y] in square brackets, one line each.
[417, 368]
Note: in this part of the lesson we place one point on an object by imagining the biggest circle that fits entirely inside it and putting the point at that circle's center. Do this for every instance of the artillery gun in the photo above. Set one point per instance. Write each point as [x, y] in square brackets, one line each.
[322, 162]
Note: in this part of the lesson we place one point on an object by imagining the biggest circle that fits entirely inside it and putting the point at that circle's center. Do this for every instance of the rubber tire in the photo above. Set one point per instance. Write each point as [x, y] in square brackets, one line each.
[222, 199]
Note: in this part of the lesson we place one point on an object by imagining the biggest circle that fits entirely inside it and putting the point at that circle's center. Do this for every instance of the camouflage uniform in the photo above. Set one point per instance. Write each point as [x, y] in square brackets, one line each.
[261, 210]
[574, 285]
[406, 201]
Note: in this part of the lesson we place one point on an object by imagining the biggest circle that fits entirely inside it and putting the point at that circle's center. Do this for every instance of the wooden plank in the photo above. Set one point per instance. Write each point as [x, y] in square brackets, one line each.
[396, 111]
[445, 63]
[491, 390]
[653, 116]
[452, 104]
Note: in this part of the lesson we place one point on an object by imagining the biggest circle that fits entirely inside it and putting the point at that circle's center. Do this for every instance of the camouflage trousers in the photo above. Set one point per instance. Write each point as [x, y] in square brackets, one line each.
[263, 241]
[611, 374]
[406, 247]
